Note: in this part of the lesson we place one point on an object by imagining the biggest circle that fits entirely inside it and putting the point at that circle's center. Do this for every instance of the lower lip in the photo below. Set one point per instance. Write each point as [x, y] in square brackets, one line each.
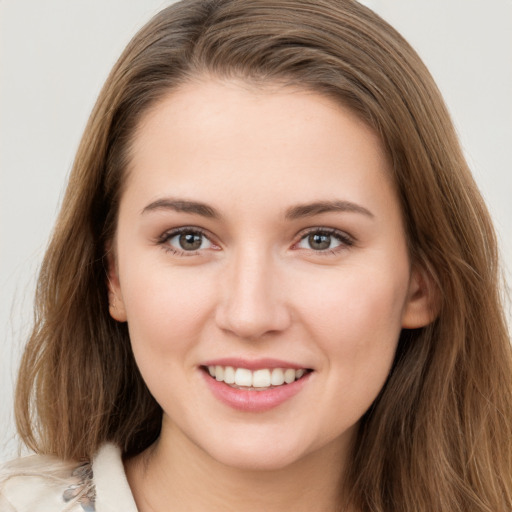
[254, 401]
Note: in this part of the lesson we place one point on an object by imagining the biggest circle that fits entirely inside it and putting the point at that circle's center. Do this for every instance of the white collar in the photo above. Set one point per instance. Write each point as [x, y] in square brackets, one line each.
[113, 494]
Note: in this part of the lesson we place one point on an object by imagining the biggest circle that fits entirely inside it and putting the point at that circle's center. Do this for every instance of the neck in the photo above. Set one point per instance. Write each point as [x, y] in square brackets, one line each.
[181, 477]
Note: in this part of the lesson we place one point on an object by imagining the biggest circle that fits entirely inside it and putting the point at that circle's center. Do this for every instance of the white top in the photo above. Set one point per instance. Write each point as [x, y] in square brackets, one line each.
[45, 484]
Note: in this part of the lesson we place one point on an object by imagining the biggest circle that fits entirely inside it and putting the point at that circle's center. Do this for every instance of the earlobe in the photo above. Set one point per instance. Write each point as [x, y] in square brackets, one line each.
[422, 304]
[115, 299]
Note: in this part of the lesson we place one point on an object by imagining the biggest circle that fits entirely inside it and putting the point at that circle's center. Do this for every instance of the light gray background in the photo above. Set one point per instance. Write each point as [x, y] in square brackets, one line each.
[55, 55]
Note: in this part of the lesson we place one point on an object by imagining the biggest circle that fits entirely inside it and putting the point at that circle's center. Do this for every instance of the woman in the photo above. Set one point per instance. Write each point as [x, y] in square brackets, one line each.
[273, 283]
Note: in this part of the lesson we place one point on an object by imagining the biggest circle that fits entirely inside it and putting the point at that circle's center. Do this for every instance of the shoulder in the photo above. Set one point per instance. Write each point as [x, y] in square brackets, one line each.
[42, 483]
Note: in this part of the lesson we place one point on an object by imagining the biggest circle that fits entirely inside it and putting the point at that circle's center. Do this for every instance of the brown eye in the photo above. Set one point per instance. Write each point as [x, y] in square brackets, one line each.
[187, 241]
[190, 241]
[319, 241]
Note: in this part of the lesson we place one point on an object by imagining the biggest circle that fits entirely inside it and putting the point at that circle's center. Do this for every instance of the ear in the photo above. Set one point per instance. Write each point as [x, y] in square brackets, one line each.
[115, 297]
[422, 304]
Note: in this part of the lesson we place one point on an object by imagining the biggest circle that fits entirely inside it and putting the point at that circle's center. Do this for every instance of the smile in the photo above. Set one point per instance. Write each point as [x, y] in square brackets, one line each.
[257, 380]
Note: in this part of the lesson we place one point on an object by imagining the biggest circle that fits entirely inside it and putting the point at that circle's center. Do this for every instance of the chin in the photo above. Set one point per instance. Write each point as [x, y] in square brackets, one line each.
[253, 453]
[246, 460]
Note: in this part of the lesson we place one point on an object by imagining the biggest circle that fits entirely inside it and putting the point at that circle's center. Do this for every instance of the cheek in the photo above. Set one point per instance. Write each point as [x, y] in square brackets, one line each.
[165, 307]
[356, 314]
[357, 322]
[166, 313]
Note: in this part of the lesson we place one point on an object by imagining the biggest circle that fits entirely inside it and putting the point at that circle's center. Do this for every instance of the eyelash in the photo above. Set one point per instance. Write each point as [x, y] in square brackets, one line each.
[168, 235]
[346, 241]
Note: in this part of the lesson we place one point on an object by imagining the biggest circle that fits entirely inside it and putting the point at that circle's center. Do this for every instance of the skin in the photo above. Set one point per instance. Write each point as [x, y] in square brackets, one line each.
[258, 288]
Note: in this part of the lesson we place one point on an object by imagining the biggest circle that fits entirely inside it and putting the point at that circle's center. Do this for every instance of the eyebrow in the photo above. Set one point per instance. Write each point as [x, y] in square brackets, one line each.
[293, 213]
[311, 209]
[179, 205]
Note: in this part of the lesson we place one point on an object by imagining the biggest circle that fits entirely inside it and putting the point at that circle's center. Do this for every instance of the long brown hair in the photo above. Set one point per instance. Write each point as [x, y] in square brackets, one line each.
[439, 435]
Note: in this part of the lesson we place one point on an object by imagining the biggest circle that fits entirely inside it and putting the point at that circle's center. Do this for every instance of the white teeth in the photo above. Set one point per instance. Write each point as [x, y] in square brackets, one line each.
[261, 379]
[229, 375]
[289, 375]
[258, 379]
[277, 377]
[243, 377]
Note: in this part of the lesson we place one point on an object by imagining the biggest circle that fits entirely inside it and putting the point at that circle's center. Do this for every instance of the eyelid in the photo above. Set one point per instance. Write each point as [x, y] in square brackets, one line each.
[346, 239]
[171, 233]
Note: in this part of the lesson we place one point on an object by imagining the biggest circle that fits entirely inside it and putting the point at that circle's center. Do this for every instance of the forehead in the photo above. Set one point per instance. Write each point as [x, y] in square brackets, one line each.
[214, 136]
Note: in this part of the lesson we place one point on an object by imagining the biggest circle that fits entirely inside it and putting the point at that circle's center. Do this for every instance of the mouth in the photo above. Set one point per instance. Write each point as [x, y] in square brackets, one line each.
[262, 379]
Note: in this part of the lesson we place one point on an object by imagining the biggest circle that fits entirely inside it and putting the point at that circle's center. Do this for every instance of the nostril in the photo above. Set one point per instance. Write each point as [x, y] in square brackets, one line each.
[252, 323]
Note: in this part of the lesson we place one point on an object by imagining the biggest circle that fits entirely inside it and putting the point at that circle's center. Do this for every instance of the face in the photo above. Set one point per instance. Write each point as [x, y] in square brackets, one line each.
[262, 267]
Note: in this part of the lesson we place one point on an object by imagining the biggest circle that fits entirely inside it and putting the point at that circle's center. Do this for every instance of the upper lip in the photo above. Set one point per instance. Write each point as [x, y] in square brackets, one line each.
[253, 364]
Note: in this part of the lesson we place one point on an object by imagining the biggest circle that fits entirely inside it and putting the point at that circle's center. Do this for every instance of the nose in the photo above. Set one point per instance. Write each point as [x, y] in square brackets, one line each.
[253, 297]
